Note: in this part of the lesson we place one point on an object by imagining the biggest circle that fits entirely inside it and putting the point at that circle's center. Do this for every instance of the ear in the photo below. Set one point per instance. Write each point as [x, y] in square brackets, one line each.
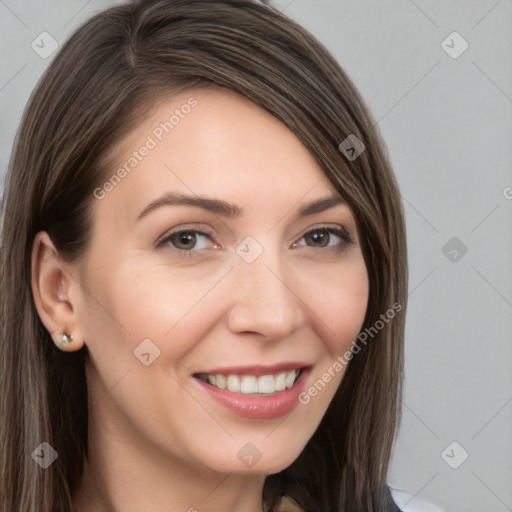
[52, 285]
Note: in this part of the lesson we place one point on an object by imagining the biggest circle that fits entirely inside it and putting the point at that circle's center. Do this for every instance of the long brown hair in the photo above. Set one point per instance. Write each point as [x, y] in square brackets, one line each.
[97, 88]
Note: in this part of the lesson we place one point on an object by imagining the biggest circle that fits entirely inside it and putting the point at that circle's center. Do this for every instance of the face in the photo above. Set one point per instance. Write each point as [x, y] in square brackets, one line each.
[210, 295]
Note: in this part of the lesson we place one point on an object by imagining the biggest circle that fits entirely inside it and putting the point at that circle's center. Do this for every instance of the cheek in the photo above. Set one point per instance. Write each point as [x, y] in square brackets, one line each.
[340, 305]
[347, 315]
[135, 299]
[142, 300]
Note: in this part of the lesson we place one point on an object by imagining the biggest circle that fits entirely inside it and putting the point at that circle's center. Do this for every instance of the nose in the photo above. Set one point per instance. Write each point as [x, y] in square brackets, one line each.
[263, 299]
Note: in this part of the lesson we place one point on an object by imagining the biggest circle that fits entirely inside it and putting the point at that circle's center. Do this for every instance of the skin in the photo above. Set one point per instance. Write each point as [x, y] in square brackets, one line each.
[157, 441]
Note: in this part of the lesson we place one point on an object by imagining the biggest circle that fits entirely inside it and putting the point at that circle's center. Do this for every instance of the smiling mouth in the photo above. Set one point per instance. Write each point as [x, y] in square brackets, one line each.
[252, 385]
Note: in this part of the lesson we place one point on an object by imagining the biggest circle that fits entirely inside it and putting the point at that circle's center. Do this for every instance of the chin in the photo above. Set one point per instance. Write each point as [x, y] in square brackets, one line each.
[255, 457]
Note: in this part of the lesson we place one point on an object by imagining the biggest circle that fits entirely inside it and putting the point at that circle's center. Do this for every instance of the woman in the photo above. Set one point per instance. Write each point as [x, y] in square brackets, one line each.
[203, 273]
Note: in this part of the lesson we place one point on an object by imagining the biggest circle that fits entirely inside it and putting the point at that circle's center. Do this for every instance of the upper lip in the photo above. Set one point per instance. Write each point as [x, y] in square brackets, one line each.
[256, 369]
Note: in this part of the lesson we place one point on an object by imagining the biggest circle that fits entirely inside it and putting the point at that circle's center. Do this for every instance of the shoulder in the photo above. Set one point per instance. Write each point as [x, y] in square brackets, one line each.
[409, 503]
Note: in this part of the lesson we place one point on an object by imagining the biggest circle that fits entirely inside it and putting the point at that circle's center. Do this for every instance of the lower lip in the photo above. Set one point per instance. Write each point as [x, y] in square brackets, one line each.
[259, 407]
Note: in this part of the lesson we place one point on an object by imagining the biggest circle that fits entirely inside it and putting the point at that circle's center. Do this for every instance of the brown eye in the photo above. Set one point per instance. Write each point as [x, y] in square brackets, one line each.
[324, 236]
[184, 240]
[320, 238]
[187, 242]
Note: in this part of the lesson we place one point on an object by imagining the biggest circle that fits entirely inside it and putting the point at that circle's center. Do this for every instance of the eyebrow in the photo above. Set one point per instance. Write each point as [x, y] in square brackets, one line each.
[231, 210]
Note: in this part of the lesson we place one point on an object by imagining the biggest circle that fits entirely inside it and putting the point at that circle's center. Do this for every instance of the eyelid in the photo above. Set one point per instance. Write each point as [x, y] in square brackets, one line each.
[185, 228]
[337, 230]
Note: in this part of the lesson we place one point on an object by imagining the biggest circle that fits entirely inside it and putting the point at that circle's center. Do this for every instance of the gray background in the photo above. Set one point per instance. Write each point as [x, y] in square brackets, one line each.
[447, 124]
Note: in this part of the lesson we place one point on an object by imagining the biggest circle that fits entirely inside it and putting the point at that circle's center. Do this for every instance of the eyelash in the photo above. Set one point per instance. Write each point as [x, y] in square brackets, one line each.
[340, 232]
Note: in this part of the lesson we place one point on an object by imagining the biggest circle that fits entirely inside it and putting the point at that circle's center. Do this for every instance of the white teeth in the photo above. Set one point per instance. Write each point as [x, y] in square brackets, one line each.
[280, 381]
[252, 385]
[221, 381]
[249, 384]
[267, 384]
[233, 383]
[289, 379]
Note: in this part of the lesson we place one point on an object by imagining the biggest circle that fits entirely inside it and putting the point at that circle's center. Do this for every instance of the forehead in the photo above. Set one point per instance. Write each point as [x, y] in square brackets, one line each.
[212, 142]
